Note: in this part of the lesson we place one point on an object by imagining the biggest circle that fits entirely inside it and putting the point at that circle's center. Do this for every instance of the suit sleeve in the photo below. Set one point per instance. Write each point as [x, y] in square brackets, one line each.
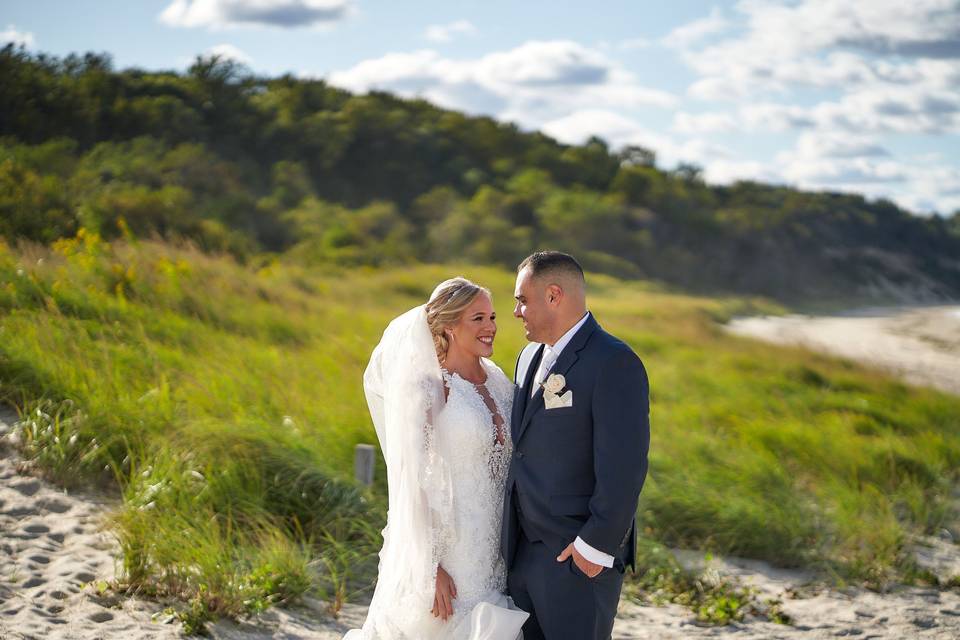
[621, 443]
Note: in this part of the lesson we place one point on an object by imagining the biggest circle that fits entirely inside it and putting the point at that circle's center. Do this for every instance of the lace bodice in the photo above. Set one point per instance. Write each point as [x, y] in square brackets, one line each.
[477, 417]
[474, 438]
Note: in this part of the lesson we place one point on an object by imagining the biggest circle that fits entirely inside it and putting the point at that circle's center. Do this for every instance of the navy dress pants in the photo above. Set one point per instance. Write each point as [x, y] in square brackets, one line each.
[564, 604]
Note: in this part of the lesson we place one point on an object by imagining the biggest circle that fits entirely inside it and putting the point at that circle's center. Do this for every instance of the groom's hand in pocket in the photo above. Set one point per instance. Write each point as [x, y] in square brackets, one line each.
[590, 569]
[443, 597]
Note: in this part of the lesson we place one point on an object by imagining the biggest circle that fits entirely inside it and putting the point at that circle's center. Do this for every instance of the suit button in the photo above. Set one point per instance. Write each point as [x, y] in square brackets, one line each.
[519, 454]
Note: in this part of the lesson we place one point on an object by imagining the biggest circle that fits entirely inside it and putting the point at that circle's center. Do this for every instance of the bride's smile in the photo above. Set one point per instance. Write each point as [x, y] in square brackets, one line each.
[473, 334]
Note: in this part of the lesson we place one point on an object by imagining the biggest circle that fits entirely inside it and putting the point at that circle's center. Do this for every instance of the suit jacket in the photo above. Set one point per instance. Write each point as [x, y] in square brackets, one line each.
[578, 471]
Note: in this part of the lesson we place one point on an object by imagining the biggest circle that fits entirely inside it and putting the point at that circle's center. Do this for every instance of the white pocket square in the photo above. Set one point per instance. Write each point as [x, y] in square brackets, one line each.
[553, 401]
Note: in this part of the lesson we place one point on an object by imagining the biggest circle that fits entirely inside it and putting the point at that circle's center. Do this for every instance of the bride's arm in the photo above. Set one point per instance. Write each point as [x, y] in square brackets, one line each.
[438, 497]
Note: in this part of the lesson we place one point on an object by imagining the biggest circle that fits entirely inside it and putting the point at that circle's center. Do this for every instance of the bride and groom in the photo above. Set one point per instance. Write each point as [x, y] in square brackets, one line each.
[511, 507]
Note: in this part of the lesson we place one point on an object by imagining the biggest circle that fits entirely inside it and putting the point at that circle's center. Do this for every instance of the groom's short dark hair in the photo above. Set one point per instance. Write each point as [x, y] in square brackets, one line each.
[544, 263]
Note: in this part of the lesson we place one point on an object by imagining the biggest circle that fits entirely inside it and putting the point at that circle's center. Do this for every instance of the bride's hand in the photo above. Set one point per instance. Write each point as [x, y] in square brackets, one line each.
[444, 595]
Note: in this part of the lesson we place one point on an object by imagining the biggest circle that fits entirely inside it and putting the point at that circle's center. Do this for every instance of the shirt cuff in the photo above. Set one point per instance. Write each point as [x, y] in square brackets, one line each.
[593, 555]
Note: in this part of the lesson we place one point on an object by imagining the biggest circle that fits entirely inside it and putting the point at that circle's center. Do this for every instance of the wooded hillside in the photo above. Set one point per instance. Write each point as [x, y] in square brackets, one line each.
[248, 164]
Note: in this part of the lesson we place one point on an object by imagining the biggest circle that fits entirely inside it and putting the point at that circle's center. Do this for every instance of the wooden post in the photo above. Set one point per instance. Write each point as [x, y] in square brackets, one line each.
[364, 459]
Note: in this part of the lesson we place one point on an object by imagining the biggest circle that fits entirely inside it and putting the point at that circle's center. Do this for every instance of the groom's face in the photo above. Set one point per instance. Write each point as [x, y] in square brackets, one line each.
[532, 307]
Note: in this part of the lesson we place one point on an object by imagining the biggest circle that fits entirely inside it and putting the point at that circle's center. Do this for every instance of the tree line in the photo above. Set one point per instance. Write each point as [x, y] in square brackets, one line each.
[246, 164]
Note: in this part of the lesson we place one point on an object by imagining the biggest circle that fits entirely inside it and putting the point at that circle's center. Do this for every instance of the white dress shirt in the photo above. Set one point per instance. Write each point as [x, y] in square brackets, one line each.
[552, 352]
[550, 356]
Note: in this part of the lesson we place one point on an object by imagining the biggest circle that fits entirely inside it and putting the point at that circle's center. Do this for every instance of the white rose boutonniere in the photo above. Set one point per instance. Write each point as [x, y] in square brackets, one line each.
[554, 383]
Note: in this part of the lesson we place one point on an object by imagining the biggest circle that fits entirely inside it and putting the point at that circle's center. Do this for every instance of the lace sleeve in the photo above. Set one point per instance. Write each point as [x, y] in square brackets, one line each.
[436, 481]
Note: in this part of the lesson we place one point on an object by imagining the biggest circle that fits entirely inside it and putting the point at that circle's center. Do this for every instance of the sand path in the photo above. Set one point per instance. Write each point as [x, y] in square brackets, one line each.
[52, 554]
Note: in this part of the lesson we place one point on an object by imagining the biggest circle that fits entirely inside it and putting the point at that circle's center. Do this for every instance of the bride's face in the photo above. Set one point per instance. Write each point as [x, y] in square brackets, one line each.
[474, 332]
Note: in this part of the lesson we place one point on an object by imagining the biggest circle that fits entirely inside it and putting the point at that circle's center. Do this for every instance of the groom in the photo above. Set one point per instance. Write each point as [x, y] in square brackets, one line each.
[581, 434]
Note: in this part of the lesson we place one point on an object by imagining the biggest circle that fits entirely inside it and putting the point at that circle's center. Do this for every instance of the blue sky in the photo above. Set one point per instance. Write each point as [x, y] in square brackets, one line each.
[843, 95]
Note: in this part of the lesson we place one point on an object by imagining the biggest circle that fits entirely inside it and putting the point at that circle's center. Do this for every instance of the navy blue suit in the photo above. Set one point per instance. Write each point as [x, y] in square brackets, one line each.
[576, 471]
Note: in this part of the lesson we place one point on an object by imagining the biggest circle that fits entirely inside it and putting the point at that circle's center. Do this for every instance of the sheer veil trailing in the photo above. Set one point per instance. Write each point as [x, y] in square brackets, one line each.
[404, 390]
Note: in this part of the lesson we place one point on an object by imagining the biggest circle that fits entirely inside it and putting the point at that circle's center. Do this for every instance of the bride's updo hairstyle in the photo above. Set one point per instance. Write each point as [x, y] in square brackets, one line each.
[447, 303]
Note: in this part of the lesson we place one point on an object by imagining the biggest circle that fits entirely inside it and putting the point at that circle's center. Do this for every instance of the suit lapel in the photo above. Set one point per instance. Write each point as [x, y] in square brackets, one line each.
[524, 394]
[568, 357]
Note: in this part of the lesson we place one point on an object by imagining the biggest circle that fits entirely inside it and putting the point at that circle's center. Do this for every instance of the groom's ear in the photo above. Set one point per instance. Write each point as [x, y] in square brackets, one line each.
[554, 294]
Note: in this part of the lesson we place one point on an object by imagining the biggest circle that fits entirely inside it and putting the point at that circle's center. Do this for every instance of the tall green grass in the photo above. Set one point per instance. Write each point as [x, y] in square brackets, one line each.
[225, 401]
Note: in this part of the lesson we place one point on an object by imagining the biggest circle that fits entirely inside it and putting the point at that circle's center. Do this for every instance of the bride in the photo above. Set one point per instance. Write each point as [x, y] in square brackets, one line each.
[441, 409]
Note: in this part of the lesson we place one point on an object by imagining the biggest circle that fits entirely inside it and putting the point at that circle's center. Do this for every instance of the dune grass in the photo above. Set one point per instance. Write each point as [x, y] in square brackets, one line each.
[225, 402]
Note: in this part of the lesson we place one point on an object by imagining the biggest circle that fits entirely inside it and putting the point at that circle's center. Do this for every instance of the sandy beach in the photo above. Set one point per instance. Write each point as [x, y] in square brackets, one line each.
[55, 552]
[920, 345]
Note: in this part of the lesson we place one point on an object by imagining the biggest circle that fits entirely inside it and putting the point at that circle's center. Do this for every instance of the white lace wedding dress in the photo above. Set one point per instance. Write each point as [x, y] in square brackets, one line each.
[446, 484]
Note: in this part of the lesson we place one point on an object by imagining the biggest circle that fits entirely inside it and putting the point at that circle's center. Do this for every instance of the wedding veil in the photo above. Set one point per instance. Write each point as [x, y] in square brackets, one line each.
[405, 392]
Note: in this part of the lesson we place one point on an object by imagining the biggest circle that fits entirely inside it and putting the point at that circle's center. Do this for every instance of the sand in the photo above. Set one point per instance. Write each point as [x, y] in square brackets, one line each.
[54, 551]
[52, 555]
[920, 345]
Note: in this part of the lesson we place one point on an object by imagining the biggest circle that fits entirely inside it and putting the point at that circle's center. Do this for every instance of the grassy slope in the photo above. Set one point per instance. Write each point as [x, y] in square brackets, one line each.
[228, 401]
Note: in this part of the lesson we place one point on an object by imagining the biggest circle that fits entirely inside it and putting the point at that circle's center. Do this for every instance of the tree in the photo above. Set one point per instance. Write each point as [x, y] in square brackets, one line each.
[33, 206]
[637, 156]
[953, 223]
[689, 172]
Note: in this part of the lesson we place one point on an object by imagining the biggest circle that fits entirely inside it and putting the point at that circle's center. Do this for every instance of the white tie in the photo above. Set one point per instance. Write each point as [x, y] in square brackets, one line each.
[546, 363]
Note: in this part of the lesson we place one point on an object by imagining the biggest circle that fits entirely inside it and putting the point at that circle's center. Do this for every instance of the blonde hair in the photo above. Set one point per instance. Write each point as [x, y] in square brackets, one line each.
[447, 303]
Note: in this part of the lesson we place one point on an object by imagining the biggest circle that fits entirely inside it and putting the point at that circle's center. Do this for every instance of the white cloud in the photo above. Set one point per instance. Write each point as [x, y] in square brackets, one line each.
[848, 159]
[856, 164]
[834, 43]
[777, 31]
[545, 63]
[446, 32]
[619, 131]
[851, 173]
[847, 76]
[818, 144]
[726, 171]
[229, 52]
[923, 183]
[837, 45]
[19, 38]
[697, 31]
[874, 109]
[838, 159]
[768, 116]
[897, 109]
[273, 13]
[530, 84]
